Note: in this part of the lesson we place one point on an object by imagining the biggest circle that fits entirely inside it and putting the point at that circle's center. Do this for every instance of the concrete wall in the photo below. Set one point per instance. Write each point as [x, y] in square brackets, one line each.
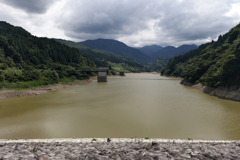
[102, 76]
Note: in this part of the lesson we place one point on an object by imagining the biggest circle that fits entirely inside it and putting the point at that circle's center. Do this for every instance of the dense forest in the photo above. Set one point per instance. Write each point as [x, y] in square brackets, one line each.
[212, 64]
[104, 58]
[27, 58]
[160, 63]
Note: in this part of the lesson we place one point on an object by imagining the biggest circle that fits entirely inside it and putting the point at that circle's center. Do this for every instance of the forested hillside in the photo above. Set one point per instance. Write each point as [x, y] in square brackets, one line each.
[212, 64]
[105, 59]
[118, 48]
[160, 63]
[24, 57]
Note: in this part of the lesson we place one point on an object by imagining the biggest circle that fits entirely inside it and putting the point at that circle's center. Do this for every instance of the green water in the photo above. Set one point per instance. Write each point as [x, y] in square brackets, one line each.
[138, 105]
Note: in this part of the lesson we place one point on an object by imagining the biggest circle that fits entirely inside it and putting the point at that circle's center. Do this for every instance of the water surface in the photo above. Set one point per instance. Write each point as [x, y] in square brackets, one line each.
[138, 105]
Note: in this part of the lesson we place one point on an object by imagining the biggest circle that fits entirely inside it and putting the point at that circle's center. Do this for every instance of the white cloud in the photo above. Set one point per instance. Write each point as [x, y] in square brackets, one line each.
[234, 12]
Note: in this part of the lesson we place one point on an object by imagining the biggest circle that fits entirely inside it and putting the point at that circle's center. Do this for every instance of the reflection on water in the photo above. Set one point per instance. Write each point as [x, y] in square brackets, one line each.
[138, 105]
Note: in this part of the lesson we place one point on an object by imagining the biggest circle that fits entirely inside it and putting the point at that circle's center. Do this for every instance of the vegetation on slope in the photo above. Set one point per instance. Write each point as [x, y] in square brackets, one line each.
[104, 58]
[212, 64]
[26, 58]
[160, 63]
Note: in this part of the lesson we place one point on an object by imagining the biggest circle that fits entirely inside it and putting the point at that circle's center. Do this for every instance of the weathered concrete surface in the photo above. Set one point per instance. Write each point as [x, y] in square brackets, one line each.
[119, 149]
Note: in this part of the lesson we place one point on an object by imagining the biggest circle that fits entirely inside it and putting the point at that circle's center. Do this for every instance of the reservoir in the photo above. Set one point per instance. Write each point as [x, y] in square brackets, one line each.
[137, 105]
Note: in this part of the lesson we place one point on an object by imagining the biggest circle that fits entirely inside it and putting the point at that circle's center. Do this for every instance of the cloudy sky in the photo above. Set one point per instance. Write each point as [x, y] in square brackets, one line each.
[134, 22]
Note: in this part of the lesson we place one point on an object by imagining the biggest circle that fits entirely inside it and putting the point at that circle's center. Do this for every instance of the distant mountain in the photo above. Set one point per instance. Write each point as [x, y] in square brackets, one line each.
[150, 49]
[118, 48]
[104, 58]
[172, 51]
[185, 48]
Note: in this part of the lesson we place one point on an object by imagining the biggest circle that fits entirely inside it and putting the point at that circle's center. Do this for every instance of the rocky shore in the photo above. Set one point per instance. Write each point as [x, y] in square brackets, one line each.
[130, 149]
[231, 93]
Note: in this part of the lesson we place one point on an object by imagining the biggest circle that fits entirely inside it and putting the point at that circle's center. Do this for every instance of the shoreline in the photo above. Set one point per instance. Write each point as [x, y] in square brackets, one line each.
[116, 140]
[228, 93]
[11, 93]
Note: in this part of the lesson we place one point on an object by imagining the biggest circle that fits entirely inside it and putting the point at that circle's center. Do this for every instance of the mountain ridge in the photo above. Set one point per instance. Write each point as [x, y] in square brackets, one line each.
[119, 48]
[104, 58]
[172, 51]
[150, 49]
[5, 25]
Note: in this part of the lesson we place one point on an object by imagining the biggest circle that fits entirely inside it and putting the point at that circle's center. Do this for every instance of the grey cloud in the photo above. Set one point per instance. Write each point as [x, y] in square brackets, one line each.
[142, 22]
[30, 6]
[183, 22]
[180, 21]
[95, 17]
